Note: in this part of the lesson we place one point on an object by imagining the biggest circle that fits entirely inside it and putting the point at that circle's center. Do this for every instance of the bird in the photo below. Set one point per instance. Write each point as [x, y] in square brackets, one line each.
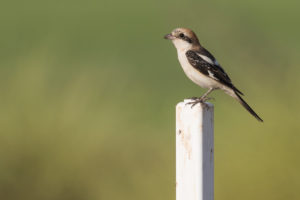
[203, 69]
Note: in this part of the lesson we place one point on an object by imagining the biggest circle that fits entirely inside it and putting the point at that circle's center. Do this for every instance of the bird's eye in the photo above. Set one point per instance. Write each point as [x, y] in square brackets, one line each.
[181, 35]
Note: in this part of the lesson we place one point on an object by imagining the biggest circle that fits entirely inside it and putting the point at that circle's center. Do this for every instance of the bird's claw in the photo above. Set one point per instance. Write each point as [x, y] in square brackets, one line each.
[198, 100]
[193, 103]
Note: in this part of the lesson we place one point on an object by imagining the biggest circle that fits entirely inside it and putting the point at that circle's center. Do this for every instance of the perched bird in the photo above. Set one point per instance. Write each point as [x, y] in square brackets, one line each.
[202, 68]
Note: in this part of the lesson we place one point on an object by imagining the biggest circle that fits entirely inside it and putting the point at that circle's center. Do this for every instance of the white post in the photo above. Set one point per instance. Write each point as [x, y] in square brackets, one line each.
[194, 151]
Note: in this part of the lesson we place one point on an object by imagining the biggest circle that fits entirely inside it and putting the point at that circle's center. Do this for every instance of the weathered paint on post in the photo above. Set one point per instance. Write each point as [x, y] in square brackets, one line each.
[194, 151]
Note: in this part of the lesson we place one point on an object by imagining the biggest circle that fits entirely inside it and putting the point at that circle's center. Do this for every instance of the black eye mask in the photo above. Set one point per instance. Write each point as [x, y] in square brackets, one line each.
[185, 38]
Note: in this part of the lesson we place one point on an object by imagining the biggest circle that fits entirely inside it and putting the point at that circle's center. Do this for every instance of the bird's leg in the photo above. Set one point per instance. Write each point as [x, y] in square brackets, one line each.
[202, 99]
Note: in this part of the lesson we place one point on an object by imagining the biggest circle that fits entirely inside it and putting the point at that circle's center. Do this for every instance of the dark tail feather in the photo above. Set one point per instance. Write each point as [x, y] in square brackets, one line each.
[236, 90]
[243, 103]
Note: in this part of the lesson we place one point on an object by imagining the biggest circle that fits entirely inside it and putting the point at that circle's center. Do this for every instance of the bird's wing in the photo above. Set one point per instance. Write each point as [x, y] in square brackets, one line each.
[205, 63]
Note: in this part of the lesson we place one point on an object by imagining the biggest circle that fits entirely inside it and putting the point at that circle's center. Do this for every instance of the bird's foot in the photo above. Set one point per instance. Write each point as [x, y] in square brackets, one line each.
[193, 103]
[198, 100]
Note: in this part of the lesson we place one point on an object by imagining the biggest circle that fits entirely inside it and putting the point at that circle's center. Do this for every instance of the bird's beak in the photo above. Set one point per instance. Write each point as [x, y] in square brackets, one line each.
[169, 37]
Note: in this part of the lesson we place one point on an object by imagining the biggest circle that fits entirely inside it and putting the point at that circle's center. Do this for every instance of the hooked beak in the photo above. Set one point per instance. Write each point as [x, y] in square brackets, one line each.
[169, 37]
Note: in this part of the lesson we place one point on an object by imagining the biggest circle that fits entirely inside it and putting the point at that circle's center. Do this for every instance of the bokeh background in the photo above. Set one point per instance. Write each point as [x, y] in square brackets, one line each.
[88, 92]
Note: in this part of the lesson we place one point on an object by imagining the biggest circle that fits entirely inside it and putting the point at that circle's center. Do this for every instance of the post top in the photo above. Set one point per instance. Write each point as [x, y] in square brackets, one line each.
[184, 104]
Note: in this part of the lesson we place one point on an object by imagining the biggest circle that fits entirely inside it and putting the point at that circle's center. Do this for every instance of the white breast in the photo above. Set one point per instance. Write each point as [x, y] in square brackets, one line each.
[193, 74]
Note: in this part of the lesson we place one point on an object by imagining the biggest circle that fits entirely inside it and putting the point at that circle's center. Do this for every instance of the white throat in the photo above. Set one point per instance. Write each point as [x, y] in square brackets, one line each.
[182, 45]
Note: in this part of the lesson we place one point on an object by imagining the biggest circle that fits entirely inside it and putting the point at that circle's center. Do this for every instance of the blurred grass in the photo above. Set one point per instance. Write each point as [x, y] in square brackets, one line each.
[88, 93]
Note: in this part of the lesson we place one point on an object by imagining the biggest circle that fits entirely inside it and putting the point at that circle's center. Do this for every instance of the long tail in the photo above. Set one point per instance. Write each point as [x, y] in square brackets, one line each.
[245, 105]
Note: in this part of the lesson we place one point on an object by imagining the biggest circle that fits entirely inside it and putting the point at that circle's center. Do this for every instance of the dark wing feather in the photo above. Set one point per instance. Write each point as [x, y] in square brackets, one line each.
[214, 71]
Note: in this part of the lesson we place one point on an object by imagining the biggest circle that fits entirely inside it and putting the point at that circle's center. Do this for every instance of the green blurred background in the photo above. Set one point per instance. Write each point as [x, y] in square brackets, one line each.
[88, 93]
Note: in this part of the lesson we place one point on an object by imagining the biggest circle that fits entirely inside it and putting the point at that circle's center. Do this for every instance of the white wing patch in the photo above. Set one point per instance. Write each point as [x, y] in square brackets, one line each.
[207, 59]
[212, 75]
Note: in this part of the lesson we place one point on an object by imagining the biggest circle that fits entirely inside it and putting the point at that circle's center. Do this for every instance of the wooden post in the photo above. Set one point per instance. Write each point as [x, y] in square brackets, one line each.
[194, 151]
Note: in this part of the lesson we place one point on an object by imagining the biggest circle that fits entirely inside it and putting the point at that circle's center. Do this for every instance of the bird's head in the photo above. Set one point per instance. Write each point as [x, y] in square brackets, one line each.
[183, 39]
